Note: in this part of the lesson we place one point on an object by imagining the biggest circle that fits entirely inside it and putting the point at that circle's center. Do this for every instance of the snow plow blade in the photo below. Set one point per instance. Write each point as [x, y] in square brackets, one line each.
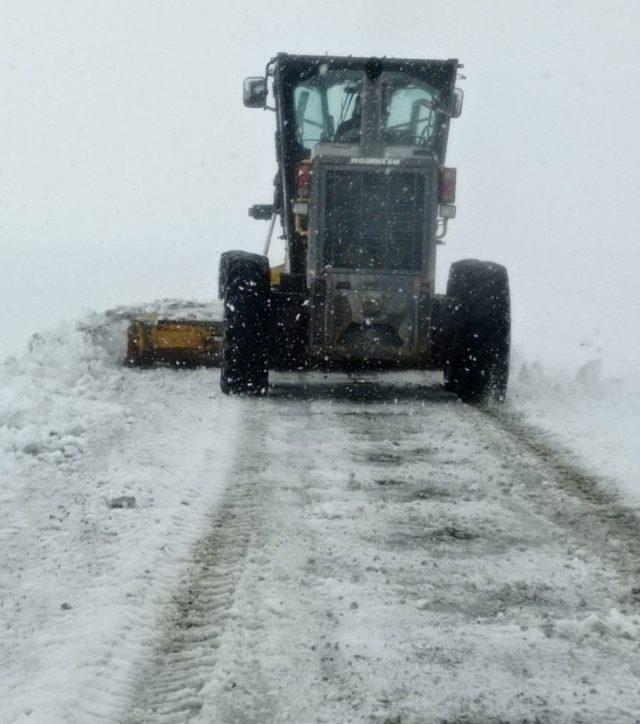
[181, 343]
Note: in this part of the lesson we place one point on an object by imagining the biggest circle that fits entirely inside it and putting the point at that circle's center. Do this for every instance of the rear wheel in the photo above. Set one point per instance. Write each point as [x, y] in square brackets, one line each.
[476, 361]
[245, 353]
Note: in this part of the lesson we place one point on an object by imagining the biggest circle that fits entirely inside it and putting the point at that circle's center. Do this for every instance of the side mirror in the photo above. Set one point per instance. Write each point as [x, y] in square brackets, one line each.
[458, 98]
[255, 92]
[261, 212]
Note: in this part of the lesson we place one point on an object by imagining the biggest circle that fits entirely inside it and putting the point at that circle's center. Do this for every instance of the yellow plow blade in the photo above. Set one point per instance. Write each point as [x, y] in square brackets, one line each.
[178, 342]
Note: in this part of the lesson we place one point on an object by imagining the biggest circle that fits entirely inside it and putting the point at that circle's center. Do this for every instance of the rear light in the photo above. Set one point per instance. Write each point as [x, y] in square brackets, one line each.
[447, 186]
[303, 180]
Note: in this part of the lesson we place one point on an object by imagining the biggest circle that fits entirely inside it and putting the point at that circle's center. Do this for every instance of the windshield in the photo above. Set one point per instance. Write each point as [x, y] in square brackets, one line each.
[328, 108]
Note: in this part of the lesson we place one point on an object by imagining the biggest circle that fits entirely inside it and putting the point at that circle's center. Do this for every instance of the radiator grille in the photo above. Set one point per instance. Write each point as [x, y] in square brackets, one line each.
[374, 219]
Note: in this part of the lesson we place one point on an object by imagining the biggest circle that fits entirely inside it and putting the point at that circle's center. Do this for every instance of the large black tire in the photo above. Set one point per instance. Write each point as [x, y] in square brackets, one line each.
[476, 360]
[245, 347]
[223, 267]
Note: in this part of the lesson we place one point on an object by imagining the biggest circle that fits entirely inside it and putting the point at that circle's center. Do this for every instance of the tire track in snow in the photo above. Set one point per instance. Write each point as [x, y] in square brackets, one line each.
[280, 660]
[584, 502]
[183, 660]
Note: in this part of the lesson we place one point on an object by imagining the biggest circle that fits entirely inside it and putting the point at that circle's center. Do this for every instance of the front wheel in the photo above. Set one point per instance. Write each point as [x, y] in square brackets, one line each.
[476, 361]
[245, 348]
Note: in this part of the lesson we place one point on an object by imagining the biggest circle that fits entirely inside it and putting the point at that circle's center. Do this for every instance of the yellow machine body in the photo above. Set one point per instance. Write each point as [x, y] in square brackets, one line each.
[276, 273]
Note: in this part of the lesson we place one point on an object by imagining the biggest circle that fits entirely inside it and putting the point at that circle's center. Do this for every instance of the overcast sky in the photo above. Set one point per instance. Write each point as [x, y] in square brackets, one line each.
[127, 160]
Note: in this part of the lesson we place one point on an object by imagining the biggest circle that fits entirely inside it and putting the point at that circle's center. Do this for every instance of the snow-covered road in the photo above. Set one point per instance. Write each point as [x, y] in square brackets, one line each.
[344, 550]
[381, 559]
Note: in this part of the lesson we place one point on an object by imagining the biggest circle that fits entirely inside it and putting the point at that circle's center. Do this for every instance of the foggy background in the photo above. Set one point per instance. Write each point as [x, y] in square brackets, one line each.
[127, 160]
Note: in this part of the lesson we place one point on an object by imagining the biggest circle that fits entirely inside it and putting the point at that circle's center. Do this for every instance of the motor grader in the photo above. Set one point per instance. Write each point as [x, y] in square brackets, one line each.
[363, 198]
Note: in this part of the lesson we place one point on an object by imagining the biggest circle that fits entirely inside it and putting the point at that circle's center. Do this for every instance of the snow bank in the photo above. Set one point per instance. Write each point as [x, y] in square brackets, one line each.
[598, 627]
[63, 386]
[70, 380]
[588, 413]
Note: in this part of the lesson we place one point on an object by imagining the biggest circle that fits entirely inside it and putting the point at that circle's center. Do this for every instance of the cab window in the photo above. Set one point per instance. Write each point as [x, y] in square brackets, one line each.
[326, 106]
[410, 110]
